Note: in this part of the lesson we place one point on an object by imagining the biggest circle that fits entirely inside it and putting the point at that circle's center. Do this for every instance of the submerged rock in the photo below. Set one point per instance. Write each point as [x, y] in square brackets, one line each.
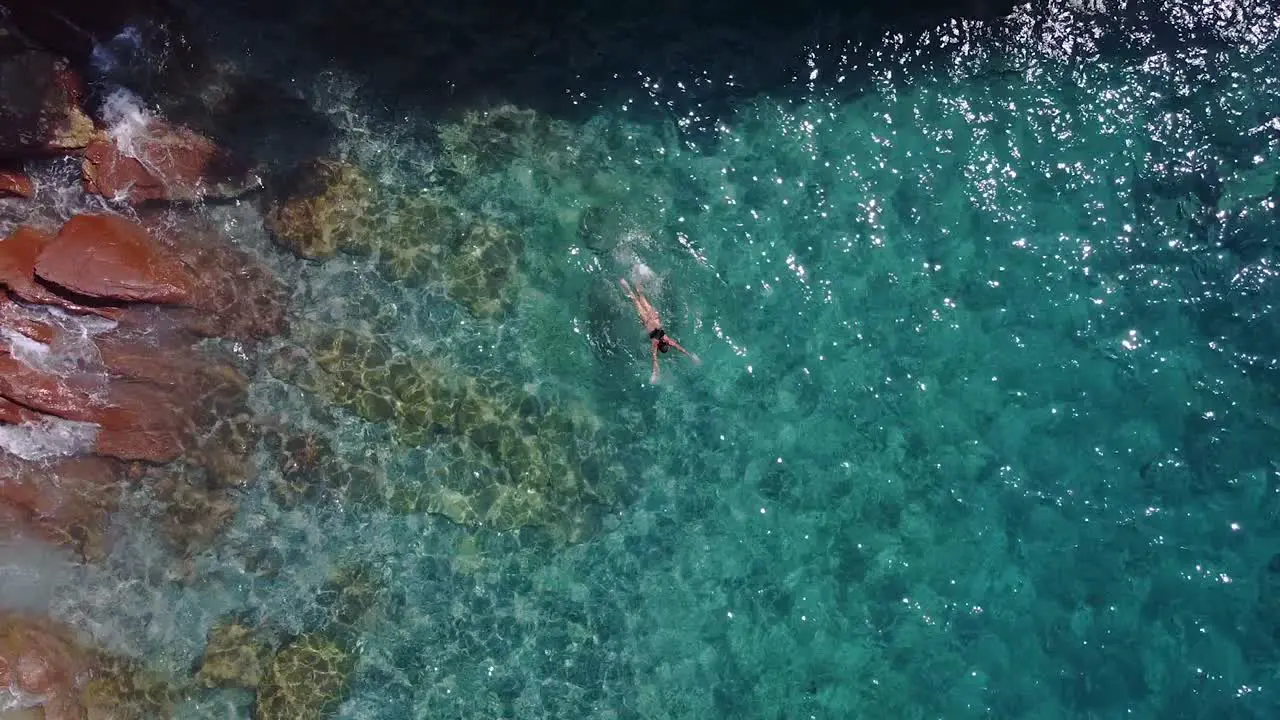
[44, 660]
[310, 471]
[193, 511]
[234, 657]
[414, 236]
[481, 268]
[323, 212]
[109, 257]
[501, 459]
[69, 678]
[349, 598]
[426, 240]
[306, 680]
[125, 689]
[67, 502]
[483, 141]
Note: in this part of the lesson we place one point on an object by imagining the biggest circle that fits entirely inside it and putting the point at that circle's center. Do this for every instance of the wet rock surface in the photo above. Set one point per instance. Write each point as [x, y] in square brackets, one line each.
[39, 101]
[136, 390]
[109, 257]
[21, 320]
[19, 254]
[163, 162]
[15, 183]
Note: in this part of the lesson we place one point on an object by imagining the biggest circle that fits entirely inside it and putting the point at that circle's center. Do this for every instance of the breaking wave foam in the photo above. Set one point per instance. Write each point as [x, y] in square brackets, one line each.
[48, 438]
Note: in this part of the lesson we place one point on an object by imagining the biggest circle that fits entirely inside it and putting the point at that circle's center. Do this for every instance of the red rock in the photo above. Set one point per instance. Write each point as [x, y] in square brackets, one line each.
[15, 317]
[18, 255]
[166, 364]
[153, 446]
[15, 414]
[15, 184]
[163, 162]
[234, 295]
[109, 257]
[136, 420]
[126, 405]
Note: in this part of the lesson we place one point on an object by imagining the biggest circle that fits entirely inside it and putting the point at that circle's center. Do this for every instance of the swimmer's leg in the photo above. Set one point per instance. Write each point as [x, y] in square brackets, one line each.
[634, 295]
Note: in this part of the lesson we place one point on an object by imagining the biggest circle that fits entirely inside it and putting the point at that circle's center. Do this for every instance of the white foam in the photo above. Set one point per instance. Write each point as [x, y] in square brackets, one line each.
[48, 437]
[29, 352]
[88, 324]
[641, 273]
[29, 713]
[126, 118]
[72, 351]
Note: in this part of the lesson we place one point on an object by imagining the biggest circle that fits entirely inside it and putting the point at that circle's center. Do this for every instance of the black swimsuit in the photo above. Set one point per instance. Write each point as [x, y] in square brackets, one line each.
[661, 336]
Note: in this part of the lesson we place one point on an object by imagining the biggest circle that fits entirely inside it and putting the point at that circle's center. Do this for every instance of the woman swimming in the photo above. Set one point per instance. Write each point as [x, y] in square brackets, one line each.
[659, 341]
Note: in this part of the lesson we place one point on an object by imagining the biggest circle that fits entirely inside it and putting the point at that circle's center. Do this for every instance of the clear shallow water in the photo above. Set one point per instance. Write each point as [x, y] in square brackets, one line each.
[986, 423]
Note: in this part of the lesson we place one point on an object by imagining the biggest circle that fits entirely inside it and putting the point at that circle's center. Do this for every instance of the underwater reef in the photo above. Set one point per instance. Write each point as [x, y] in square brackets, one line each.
[137, 331]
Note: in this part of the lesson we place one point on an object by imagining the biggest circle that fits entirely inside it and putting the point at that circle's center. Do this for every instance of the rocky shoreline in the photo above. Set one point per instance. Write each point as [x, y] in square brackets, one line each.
[104, 384]
[132, 328]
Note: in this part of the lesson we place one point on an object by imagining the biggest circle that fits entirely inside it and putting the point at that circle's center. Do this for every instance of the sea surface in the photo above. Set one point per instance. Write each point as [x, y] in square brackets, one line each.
[986, 424]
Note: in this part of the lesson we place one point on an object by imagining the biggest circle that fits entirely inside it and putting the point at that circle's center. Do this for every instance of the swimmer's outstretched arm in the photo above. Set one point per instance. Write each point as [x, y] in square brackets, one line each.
[679, 347]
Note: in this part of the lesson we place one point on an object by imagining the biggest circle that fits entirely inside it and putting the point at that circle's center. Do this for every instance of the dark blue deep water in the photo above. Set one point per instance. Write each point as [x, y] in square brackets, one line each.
[987, 422]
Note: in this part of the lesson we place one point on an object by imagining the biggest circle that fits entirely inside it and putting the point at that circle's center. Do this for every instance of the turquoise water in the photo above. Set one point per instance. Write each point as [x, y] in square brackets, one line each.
[986, 423]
